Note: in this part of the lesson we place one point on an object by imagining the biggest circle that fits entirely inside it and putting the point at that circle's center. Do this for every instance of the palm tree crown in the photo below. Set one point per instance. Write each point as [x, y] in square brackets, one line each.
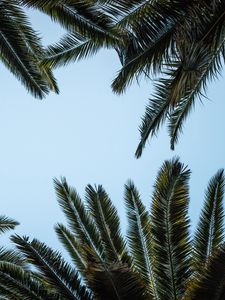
[158, 259]
[181, 42]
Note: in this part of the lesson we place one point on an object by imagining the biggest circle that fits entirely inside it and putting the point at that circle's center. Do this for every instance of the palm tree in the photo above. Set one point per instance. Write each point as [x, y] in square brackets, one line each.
[158, 258]
[181, 42]
[21, 50]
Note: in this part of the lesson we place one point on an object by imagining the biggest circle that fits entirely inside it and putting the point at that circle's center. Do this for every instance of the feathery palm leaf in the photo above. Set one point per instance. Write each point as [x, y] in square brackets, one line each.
[7, 224]
[107, 221]
[138, 236]
[21, 50]
[54, 269]
[210, 230]
[170, 229]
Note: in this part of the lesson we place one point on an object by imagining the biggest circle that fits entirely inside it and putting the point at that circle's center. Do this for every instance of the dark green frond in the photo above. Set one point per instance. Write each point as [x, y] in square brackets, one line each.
[210, 231]
[198, 68]
[15, 283]
[73, 247]
[72, 47]
[7, 224]
[79, 17]
[80, 222]
[17, 42]
[138, 236]
[107, 221]
[170, 230]
[12, 256]
[155, 115]
[56, 272]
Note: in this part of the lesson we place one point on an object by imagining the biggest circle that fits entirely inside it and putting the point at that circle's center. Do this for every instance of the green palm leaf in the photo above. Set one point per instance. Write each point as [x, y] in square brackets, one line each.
[73, 247]
[108, 224]
[52, 266]
[79, 220]
[170, 230]
[138, 236]
[15, 283]
[17, 39]
[7, 224]
[70, 48]
[210, 230]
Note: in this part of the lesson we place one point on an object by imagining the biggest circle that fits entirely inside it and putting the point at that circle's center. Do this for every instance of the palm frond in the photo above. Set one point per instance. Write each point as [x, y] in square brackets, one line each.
[170, 229]
[210, 230]
[73, 247]
[33, 43]
[15, 283]
[13, 257]
[7, 224]
[200, 67]
[138, 236]
[155, 115]
[61, 277]
[108, 224]
[80, 17]
[80, 222]
[71, 47]
[16, 40]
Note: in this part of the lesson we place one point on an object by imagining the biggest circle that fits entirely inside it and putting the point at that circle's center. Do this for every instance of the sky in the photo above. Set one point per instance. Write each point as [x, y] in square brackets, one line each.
[89, 135]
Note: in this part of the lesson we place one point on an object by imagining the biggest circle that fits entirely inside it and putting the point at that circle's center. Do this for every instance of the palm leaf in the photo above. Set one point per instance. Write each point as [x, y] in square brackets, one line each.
[61, 277]
[138, 236]
[15, 283]
[7, 224]
[73, 247]
[170, 230]
[71, 47]
[201, 67]
[210, 231]
[108, 224]
[155, 115]
[15, 48]
[78, 17]
[79, 220]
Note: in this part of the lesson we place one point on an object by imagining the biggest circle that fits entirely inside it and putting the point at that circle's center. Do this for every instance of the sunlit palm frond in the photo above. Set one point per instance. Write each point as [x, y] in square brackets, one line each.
[170, 230]
[138, 236]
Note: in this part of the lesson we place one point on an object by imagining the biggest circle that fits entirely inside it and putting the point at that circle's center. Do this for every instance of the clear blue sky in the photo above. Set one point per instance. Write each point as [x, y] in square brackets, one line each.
[89, 135]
